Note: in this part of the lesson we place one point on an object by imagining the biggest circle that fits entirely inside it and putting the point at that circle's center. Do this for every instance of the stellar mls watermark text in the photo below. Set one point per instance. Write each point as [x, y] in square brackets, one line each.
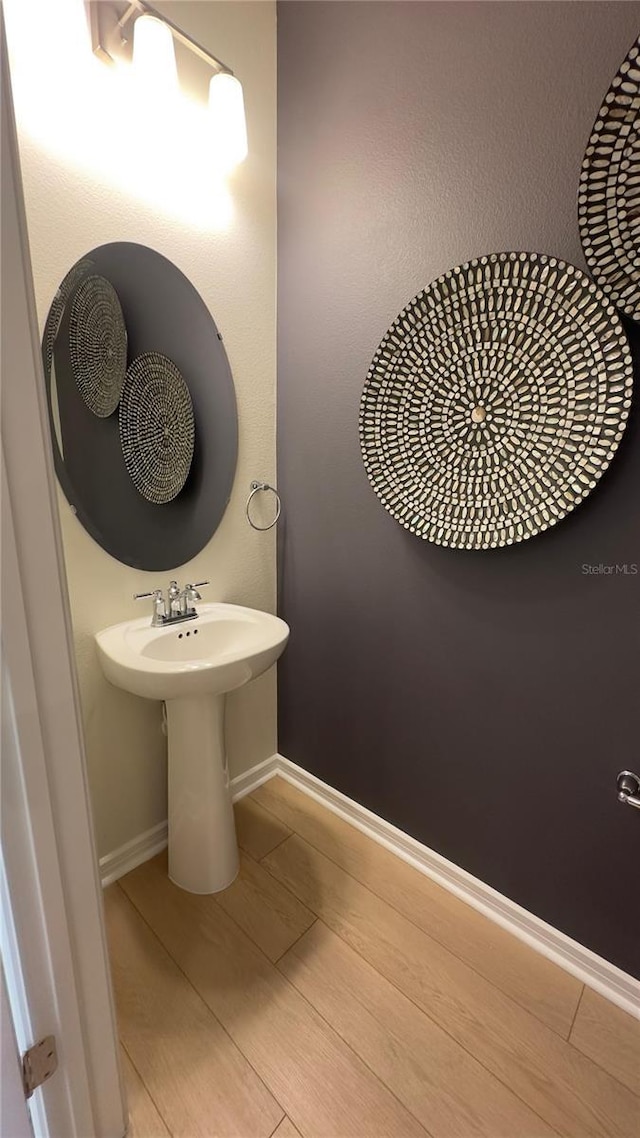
[621, 569]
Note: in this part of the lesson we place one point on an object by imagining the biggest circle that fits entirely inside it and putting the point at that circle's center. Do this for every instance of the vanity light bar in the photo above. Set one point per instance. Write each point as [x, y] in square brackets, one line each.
[110, 42]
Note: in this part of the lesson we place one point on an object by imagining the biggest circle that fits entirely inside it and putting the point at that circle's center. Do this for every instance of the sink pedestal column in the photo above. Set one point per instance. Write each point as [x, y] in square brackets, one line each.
[203, 851]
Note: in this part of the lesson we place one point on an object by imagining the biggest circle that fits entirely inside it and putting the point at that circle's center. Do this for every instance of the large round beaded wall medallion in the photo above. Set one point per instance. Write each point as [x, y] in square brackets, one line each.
[609, 193]
[156, 427]
[495, 401]
[98, 344]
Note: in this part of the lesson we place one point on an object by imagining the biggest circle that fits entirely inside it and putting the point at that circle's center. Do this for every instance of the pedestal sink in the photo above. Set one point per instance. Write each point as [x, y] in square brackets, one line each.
[191, 666]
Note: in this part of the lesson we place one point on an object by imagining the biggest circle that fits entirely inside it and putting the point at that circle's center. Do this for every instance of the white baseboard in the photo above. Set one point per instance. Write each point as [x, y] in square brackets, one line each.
[132, 854]
[597, 973]
[245, 783]
[611, 982]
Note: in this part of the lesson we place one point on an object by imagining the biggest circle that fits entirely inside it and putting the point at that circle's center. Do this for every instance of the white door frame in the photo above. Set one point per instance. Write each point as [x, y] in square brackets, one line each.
[54, 945]
[14, 1115]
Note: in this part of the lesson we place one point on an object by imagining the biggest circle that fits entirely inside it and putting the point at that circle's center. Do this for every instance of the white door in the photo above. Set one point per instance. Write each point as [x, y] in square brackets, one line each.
[52, 934]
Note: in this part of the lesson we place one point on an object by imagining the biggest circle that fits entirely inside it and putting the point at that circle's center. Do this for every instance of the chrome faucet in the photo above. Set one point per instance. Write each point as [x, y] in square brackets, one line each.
[180, 603]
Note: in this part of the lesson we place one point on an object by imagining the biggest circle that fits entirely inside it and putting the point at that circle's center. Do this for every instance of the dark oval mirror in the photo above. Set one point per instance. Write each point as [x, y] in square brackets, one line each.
[145, 454]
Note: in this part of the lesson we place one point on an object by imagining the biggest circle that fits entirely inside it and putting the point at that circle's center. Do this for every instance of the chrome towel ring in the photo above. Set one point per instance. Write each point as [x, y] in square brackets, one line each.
[255, 487]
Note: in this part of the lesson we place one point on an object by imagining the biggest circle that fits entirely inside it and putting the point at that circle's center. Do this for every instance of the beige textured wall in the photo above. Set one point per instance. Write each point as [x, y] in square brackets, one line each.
[73, 206]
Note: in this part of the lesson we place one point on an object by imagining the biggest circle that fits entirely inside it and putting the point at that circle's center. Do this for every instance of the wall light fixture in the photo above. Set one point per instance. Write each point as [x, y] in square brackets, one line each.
[135, 32]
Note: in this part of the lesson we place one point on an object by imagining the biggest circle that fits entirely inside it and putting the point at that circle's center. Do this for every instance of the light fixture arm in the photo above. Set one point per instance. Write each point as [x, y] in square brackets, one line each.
[130, 12]
[140, 8]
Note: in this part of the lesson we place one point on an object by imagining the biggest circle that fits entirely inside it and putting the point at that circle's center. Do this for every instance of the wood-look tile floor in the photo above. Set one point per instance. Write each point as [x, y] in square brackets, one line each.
[333, 991]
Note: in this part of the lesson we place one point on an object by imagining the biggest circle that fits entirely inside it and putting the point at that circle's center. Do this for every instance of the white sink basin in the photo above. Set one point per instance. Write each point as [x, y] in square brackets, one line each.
[191, 665]
[224, 647]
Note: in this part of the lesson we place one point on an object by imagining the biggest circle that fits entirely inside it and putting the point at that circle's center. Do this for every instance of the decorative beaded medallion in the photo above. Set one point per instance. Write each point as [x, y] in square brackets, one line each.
[609, 193]
[156, 427]
[98, 344]
[495, 401]
[56, 312]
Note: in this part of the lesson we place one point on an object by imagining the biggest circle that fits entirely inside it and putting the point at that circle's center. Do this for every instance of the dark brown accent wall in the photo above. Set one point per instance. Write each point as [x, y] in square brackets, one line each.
[482, 702]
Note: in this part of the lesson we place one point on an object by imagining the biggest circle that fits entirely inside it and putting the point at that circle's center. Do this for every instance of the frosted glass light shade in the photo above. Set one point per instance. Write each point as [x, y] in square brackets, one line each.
[228, 123]
[154, 57]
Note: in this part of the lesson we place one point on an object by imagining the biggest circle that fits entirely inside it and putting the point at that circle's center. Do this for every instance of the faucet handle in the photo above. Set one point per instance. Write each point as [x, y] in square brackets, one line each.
[191, 590]
[159, 607]
[191, 594]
